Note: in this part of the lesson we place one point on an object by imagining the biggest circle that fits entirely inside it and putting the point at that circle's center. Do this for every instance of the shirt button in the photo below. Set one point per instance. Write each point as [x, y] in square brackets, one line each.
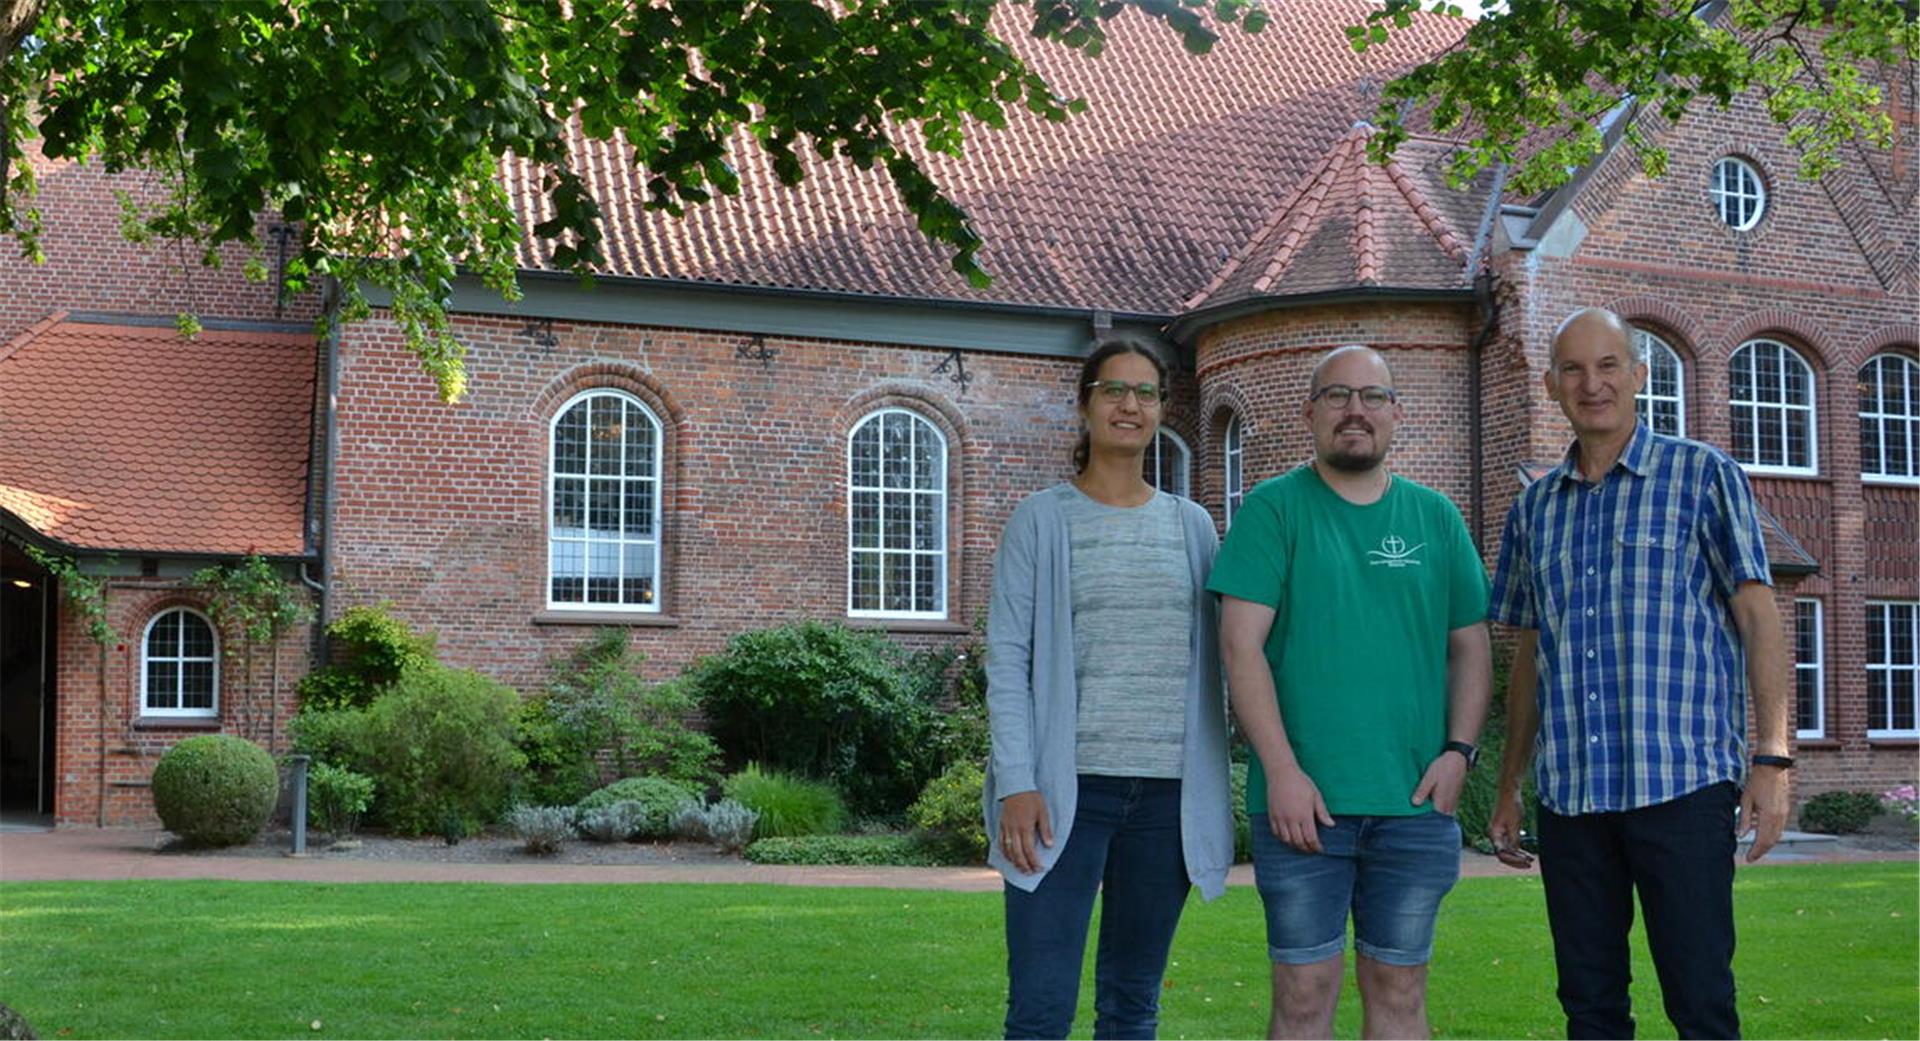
[1592, 696]
[1593, 740]
[1589, 571]
[1589, 652]
[1589, 612]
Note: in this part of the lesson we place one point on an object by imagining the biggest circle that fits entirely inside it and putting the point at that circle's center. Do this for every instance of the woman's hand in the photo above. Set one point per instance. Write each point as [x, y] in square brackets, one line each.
[1024, 828]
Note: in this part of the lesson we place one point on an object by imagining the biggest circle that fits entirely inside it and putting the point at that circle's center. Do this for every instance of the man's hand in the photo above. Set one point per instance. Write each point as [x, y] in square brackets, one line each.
[1024, 828]
[1503, 827]
[1763, 809]
[1293, 808]
[1445, 776]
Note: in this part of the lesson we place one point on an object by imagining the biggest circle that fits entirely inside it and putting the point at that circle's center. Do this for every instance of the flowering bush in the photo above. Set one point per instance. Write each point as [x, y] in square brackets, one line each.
[1904, 801]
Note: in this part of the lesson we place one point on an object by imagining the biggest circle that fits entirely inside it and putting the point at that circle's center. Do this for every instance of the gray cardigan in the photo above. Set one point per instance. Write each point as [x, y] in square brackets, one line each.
[1031, 700]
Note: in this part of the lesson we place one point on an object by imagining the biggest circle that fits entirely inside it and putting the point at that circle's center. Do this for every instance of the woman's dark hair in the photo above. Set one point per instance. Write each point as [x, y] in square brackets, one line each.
[1090, 371]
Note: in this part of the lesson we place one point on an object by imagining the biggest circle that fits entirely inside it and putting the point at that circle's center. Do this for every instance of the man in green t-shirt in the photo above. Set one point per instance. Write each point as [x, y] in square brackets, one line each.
[1359, 668]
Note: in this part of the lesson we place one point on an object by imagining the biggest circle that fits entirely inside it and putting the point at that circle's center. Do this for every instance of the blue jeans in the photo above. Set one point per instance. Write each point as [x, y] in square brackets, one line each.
[1390, 872]
[1125, 841]
[1679, 855]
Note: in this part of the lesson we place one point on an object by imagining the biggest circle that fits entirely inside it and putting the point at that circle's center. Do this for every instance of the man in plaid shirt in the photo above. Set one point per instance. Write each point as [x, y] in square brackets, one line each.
[1637, 578]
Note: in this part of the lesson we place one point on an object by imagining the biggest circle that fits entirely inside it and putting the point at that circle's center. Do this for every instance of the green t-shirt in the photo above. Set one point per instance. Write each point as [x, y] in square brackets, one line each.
[1364, 597]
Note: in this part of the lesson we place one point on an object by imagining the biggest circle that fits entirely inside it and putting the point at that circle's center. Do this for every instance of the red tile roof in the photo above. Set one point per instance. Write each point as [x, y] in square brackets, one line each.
[1351, 223]
[1132, 206]
[126, 437]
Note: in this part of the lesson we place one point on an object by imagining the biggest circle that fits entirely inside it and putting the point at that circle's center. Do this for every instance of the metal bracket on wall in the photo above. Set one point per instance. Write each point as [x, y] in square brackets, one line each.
[541, 333]
[756, 349]
[955, 366]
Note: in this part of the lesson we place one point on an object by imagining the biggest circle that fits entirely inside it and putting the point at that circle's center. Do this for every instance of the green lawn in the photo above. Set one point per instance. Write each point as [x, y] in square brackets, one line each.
[1826, 951]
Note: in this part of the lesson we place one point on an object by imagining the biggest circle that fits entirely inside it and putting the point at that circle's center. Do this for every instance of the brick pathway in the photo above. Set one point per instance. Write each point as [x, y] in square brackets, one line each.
[94, 854]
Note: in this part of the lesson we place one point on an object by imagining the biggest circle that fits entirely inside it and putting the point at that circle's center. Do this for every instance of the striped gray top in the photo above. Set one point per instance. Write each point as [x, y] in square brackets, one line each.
[1132, 621]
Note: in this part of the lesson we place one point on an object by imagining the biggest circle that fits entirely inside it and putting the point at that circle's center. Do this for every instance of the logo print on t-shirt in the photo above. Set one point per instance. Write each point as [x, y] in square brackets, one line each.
[1394, 552]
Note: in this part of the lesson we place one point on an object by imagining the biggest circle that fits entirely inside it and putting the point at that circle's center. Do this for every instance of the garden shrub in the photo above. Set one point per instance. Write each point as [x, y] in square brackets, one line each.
[331, 736]
[787, 805]
[602, 708]
[849, 850]
[954, 680]
[542, 829]
[439, 746]
[371, 650]
[1839, 813]
[949, 811]
[822, 700]
[726, 824]
[617, 822]
[657, 797]
[215, 789]
[336, 798]
[560, 769]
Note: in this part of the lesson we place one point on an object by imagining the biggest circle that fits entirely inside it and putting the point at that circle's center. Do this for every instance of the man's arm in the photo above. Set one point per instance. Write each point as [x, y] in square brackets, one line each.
[1763, 806]
[1523, 726]
[1469, 689]
[1293, 802]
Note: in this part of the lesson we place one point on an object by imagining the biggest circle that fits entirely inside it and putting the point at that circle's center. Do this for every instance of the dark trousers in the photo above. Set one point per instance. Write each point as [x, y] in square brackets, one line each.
[1679, 855]
[1125, 842]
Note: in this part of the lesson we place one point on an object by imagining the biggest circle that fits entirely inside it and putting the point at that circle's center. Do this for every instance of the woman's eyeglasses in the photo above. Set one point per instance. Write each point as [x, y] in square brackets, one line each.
[1116, 391]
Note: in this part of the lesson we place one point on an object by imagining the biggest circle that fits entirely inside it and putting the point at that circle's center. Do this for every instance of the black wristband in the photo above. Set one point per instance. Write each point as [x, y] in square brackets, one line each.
[1467, 751]
[1784, 762]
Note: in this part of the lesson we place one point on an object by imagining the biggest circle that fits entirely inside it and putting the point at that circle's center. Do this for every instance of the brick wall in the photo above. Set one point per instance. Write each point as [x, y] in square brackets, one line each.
[105, 752]
[442, 509]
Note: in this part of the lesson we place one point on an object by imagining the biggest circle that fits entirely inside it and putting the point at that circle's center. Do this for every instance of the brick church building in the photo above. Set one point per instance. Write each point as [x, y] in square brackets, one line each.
[787, 405]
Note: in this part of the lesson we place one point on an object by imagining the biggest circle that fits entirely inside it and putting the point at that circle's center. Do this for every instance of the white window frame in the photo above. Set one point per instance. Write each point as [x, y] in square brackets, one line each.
[1733, 184]
[1165, 442]
[1745, 354]
[1651, 349]
[586, 540]
[1817, 668]
[1233, 467]
[922, 426]
[180, 660]
[1879, 705]
[1874, 470]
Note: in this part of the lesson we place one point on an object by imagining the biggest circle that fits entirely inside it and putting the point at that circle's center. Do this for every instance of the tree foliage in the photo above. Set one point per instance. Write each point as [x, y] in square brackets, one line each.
[378, 129]
[1536, 84]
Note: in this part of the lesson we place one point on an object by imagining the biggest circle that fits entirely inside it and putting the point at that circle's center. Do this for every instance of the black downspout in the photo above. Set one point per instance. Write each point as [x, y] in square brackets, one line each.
[1489, 320]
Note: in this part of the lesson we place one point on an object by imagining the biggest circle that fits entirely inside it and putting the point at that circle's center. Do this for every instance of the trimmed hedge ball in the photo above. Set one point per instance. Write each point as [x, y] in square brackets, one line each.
[215, 789]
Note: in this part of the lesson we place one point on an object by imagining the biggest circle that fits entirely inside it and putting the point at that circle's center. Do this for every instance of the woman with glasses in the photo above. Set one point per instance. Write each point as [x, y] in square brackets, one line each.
[1109, 764]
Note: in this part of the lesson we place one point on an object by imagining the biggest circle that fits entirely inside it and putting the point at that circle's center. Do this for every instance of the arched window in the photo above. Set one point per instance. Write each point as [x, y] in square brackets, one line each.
[1772, 408]
[1169, 464]
[179, 666]
[1663, 401]
[896, 517]
[1738, 193]
[1890, 418]
[1233, 453]
[603, 521]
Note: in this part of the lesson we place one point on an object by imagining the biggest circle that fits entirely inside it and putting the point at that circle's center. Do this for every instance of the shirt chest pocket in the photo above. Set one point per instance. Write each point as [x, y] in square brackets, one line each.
[1649, 552]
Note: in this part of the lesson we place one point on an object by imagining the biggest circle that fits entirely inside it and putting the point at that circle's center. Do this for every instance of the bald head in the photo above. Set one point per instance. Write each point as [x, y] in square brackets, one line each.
[1594, 321]
[1327, 361]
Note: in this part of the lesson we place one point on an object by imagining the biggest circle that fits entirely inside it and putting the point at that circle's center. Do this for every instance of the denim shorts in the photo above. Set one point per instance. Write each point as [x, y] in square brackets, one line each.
[1390, 872]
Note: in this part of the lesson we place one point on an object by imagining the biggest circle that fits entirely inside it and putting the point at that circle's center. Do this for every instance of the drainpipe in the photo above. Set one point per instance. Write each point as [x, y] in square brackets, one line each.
[1489, 320]
[329, 452]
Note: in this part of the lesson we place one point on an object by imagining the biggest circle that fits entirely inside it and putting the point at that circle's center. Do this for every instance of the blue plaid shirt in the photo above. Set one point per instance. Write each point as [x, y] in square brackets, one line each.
[1643, 686]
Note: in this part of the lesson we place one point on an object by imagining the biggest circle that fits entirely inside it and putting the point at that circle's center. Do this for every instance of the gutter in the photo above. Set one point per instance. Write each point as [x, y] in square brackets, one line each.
[1183, 329]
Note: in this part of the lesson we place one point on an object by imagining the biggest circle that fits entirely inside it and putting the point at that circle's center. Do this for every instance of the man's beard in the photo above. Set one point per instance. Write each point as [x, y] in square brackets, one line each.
[1354, 462]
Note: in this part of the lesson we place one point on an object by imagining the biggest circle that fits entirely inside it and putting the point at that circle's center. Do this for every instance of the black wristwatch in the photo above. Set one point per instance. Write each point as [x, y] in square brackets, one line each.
[1784, 762]
[1467, 751]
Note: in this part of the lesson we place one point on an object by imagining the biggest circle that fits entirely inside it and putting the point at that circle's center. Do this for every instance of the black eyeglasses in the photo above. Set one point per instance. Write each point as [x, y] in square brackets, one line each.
[1338, 395]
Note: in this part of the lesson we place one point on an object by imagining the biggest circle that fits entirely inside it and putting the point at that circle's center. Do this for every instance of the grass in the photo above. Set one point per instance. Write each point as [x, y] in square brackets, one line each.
[1826, 951]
